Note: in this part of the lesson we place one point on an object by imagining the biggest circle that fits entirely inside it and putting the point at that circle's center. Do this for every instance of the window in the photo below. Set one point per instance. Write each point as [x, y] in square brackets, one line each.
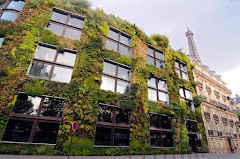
[66, 23]
[192, 126]
[116, 77]
[155, 57]
[113, 126]
[1, 41]
[11, 10]
[194, 136]
[157, 90]
[160, 131]
[119, 41]
[181, 69]
[185, 93]
[50, 64]
[34, 119]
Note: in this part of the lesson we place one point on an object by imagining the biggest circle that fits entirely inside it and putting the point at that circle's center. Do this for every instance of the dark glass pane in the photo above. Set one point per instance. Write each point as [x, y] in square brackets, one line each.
[10, 16]
[108, 83]
[150, 60]
[152, 95]
[162, 96]
[76, 22]
[154, 121]
[26, 104]
[16, 5]
[103, 136]
[61, 74]
[167, 139]
[110, 45]
[155, 139]
[122, 116]
[55, 28]
[73, 33]
[109, 68]
[121, 137]
[165, 122]
[162, 85]
[105, 114]
[198, 143]
[39, 70]
[66, 58]
[46, 133]
[124, 73]
[124, 50]
[150, 51]
[59, 17]
[152, 82]
[159, 55]
[113, 35]
[192, 126]
[45, 53]
[125, 40]
[53, 107]
[1, 41]
[160, 64]
[122, 86]
[17, 130]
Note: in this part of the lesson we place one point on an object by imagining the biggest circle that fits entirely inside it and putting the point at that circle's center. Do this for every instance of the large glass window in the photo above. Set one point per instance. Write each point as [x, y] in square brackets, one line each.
[11, 10]
[160, 131]
[157, 90]
[181, 69]
[116, 77]
[193, 133]
[50, 64]
[155, 57]
[119, 42]
[113, 126]
[66, 23]
[185, 93]
[34, 119]
[1, 41]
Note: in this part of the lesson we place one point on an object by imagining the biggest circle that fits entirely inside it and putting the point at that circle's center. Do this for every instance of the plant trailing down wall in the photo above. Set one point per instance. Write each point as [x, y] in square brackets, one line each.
[83, 93]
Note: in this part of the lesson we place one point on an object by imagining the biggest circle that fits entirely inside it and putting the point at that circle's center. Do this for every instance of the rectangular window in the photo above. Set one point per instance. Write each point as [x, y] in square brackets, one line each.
[193, 133]
[181, 69]
[11, 10]
[119, 41]
[157, 90]
[155, 57]
[50, 64]
[116, 77]
[160, 131]
[1, 41]
[112, 127]
[34, 119]
[185, 93]
[66, 23]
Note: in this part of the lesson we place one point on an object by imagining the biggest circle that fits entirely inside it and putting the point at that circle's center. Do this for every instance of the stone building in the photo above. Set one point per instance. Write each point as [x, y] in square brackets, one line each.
[237, 102]
[219, 115]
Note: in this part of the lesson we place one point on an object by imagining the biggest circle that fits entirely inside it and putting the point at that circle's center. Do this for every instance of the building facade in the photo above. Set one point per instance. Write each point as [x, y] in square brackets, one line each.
[220, 118]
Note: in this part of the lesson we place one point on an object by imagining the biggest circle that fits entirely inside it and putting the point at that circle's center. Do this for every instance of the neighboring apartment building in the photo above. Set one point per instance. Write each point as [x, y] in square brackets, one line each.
[220, 118]
[237, 102]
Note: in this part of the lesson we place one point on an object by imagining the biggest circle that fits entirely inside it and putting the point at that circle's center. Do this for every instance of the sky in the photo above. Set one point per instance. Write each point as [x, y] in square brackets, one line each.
[215, 25]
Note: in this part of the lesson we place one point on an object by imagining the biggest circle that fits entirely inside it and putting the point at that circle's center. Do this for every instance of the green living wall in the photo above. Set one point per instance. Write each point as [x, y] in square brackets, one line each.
[83, 93]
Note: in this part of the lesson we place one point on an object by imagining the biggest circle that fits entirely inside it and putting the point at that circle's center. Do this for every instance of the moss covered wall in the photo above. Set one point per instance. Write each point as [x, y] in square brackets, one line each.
[83, 93]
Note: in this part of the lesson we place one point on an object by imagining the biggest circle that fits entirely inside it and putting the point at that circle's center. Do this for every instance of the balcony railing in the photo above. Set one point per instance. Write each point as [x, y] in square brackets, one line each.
[209, 90]
[224, 120]
[211, 132]
[207, 115]
[219, 133]
[217, 94]
[235, 135]
[215, 117]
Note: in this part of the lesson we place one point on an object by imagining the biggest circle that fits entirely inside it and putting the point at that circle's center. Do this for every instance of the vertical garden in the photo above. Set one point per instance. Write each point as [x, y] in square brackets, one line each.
[83, 94]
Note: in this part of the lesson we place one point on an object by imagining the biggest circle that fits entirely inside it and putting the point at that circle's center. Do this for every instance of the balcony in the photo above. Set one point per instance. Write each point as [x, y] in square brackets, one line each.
[231, 122]
[210, 132]
[207, 115]
[200, 85]
[224, 120]
[217, 94]
[219, 133]
[215, 117]
[204, 98]
[209, 90]
[213, 102]
[228, 134]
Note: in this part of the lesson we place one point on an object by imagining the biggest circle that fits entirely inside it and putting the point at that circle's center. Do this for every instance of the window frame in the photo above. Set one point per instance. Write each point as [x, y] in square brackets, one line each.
[65, 24]
[184, 89]
[35, 119]
[112, 125]
[118, 42]
[53, 63]
[115, 77]
[159, 130]
[190, 133]
[154, 56]
[159, 90]
[4, 8]
[180, 69]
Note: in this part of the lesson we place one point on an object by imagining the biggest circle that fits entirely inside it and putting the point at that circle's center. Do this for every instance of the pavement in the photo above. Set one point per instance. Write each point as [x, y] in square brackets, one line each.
[188, 156]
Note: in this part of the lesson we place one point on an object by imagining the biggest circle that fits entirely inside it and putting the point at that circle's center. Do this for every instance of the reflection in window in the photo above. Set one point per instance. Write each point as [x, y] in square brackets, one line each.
[52, 107]
[152, 95]
[10, 16]
[181, 69]
[115, 77]
[112, 126]
[157, 90]
[1, 41]
[119, 42]
[155, 57]
[185, 93]
[58, 66]
[11, 11]
[16, 5]
[66, 24]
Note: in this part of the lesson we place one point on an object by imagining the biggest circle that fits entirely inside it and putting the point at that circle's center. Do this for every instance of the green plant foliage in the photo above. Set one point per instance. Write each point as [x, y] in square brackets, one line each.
[197, 101]
[184, 139]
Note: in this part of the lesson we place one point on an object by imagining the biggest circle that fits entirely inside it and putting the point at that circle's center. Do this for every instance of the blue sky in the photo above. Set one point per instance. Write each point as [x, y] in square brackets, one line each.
[215, 24]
